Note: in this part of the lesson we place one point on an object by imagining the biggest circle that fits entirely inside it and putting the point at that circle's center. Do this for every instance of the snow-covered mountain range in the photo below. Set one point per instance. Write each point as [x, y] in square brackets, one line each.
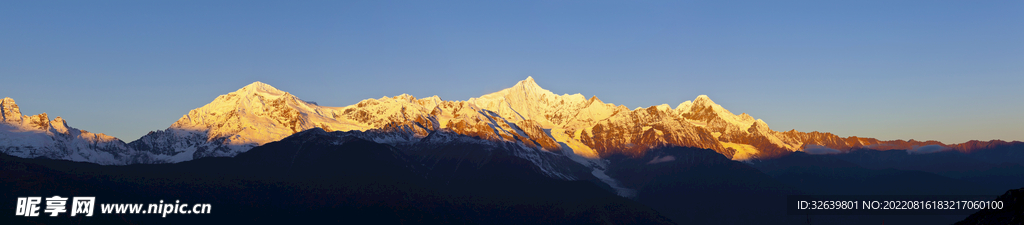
[525, 115]
[38, 136]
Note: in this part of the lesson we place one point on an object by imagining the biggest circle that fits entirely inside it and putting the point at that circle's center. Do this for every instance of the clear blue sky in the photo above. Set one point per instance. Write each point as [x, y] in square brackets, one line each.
[928, 70]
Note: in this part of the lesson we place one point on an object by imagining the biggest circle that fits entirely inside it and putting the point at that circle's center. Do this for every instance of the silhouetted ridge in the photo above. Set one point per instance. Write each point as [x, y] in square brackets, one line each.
[1012, 212]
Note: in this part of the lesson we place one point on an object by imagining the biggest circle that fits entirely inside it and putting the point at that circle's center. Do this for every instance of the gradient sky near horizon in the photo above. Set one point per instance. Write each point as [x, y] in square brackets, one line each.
[927, 70]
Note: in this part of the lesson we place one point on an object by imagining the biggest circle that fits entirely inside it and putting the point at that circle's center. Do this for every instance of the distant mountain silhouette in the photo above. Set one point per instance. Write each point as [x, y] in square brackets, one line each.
[1012, 212]
[312, 177]
[832, 175]
[700, 186]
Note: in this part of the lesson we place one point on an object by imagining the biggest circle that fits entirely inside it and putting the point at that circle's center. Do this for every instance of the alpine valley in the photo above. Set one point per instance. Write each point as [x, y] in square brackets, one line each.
[519, 155]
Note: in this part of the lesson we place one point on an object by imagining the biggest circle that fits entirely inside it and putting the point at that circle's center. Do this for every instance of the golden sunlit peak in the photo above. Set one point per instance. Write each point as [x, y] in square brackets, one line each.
[703, 100]
[528, 83]
[257, 84]
[260, 87]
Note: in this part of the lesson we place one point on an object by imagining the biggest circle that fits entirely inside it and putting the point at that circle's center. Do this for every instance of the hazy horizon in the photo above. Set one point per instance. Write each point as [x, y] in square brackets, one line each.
[923, 70]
